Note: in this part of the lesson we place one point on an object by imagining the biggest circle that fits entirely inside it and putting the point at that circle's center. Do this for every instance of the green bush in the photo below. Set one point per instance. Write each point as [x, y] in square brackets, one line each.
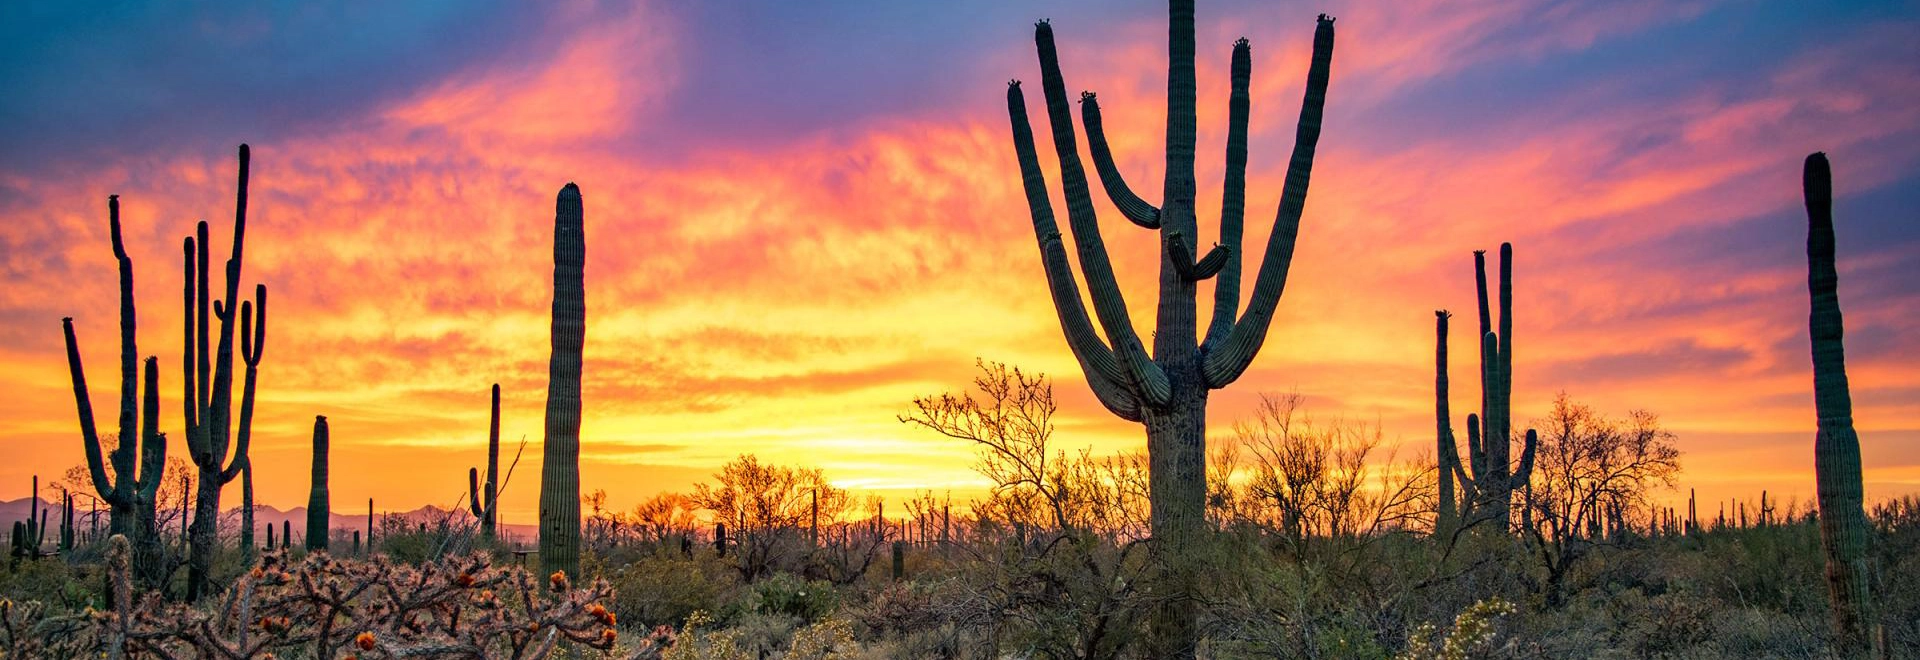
[665, 589]
[789, 595]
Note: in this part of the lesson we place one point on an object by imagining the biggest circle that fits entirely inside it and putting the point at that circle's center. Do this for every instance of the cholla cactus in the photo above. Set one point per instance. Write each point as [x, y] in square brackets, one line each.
[460, 607]
[1471, 637]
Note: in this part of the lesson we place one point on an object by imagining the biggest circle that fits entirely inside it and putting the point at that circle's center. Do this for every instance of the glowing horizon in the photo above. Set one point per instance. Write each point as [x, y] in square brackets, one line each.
[799, 218]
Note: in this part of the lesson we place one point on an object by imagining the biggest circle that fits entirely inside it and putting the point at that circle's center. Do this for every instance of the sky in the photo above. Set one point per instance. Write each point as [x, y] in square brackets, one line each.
[800, 216]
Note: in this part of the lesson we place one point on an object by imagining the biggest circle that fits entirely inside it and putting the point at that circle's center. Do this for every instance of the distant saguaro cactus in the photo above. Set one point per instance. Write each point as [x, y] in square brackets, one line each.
[131, 491]
[208, 394]
[1836, 447]
[318, 507]
[1489, 489]
[1167, 390]
[560, 474]
[485, 503]
[1448, 514]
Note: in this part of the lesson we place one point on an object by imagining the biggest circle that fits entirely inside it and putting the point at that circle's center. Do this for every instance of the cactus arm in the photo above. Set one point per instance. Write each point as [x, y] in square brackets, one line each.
[190, 388]
[493, 464]
[1486, 326]
[1476, 450]
[253, 342]
[1233, 202]
[1523, 472]
[89, 435]
[153, 445]
[1183, 263]
[1227, 361]
[1109, 305]
[204, 354]
[473, 494]
[1102, 368]
[1130, 205]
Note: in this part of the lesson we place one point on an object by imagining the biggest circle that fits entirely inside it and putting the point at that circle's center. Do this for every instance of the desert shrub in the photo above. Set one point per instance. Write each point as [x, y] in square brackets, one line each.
[666, 589]
[785, 594]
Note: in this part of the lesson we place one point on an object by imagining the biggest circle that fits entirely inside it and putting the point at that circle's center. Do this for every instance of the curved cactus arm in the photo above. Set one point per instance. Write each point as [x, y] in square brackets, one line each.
[1523, 472]
[1476, 450]
[473, 494]
[89, 435]
[153, 443]
[1109, 305]
[1183, 262]
[1233, 202]
[1130, 205]
[190, 390]
[1103, 369]
[1229, 359]
[253, 342]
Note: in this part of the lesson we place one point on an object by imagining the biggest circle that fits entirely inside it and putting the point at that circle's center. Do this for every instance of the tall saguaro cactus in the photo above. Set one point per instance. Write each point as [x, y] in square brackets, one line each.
[1167, 390]
[319, 506]
[560, 475]
[208, 395]
[485, 503]
[131, 490]
[1448, 515]
[1836, 448]
[1489, 488]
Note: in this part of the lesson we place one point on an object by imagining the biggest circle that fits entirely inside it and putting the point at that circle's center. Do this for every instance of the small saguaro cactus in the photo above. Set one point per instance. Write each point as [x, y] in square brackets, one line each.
[1836, 447]
[317, 500]
[1489, 489]
[560, 473]
[485, 502]
[1448, 514]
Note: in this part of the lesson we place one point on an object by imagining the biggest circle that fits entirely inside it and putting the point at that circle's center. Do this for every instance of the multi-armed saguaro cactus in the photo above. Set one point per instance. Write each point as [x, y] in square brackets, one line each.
[560, 475]
[485, 503]
[208, 396]
[29, 535]
[1167, 390]
[1489, 489]
[130, 491]
[1836, 448]
[318, 506]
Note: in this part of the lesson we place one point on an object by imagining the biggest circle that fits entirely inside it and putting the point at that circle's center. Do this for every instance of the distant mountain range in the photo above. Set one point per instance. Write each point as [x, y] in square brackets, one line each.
[263, 515]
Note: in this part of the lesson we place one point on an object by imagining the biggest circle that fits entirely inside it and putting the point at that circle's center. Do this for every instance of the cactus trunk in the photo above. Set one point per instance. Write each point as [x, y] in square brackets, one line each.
[1448, 515]
[1167, 390]
[246, 509]
[1836, 447]
[560, 473]
[318, 505]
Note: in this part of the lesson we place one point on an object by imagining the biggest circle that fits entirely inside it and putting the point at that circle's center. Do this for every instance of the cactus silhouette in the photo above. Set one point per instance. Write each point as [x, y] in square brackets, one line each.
[484, 503]
[246, 509]
[1488, 490]
[318, 506]
[130, 491]
[1836, 448]
[208, 394]
[1449, 514]
[1167, 390]
[560, 475]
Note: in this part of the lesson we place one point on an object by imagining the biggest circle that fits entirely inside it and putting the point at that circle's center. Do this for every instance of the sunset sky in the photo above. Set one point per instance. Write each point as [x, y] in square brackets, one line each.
[800, 215]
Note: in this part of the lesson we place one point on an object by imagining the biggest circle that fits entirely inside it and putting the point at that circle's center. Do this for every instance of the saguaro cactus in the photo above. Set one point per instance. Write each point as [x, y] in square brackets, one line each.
[131, 490]
[1836, 448]
[484, 503]
[1448, 515]
[1167, 391]
[560, 475]
[208, 395]
[318, 506]
[1489, 489]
